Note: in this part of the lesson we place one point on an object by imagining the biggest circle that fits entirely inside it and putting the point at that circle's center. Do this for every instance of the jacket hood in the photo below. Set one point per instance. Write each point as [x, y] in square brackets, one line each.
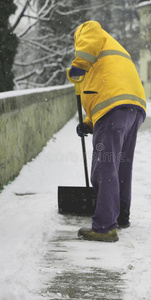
[87, 28]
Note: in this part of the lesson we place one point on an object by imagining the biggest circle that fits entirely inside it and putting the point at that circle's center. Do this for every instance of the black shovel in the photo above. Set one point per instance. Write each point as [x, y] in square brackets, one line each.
[77, 200]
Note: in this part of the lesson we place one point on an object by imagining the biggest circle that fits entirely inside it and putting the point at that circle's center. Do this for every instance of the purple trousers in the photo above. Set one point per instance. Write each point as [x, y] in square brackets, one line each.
[114, 139]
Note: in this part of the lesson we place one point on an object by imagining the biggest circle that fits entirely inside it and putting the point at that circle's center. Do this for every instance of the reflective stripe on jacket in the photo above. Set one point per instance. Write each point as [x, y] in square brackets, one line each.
[111, 79]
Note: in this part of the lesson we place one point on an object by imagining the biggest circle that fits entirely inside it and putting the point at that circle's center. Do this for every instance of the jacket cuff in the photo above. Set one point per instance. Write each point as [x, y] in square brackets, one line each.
[81, 64]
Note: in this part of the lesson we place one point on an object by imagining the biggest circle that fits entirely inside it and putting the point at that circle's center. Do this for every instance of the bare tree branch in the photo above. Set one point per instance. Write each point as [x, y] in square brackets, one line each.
[39, 45]
[29, 17]
[52, 42]
[25, 64]
[20, 79]
[27, 29]
[20, 15]
[43, 7]
[80, 8]
[41, 16]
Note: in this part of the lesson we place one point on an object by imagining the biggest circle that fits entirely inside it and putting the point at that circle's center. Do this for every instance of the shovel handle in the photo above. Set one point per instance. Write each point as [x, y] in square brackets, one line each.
[77, 90]
[83, 142]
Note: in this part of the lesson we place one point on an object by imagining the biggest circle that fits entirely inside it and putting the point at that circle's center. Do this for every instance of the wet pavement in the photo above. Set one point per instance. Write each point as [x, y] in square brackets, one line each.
[73, 267]
[95, 284]
[75, 281]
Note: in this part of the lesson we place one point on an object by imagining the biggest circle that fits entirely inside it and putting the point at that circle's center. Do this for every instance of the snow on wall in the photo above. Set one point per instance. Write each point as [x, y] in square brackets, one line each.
[11, 94]
[144, 3]
[27, 121]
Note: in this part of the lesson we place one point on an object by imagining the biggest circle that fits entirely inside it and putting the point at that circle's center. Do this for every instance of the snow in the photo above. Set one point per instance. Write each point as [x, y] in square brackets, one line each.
[144, 3]
[38, 245]
[15, 93]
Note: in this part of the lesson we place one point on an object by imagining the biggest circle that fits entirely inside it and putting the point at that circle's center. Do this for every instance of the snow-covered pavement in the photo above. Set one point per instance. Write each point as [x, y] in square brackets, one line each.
[40, 254]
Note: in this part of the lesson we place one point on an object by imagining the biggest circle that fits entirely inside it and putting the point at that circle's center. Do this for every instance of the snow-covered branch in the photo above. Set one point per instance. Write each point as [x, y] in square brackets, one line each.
[44, 7]
[19, 81]
[27, 29]
[29, 17]
[45, 11]
[34, 62]
[38, 45]
[20, 15]
[80, 8]
[49, 49]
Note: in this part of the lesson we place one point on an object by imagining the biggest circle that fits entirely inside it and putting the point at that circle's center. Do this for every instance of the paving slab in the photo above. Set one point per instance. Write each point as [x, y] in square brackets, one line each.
[73, 280]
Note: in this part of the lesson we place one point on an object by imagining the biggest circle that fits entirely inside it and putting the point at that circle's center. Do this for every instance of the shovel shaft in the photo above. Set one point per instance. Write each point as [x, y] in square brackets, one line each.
[83, 142]
[85, 162]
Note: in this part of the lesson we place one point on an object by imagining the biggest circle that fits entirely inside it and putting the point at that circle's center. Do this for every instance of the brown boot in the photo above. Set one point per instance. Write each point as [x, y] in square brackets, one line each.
[90, 235]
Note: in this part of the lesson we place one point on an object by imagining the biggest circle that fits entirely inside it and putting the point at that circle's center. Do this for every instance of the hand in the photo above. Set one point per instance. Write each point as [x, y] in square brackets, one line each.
[83, 129]
[76, 72]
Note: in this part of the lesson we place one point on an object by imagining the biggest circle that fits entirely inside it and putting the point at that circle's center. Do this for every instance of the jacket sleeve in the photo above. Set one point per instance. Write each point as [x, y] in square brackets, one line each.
[88, 122]
[89, 40]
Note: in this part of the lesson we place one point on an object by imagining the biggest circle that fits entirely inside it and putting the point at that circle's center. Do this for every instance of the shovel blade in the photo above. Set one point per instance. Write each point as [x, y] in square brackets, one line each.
[76, 200]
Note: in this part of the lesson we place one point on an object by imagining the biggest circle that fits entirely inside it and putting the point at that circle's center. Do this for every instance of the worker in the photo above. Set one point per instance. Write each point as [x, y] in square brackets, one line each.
[114, 100]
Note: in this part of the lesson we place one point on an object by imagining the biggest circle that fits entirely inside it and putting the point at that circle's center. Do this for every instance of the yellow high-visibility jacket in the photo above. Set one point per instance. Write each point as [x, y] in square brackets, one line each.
[111, 78]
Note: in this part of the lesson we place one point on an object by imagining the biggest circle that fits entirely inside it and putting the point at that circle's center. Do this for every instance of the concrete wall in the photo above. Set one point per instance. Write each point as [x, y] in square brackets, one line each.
[145, 58]
[145, 54]
[26, 124]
